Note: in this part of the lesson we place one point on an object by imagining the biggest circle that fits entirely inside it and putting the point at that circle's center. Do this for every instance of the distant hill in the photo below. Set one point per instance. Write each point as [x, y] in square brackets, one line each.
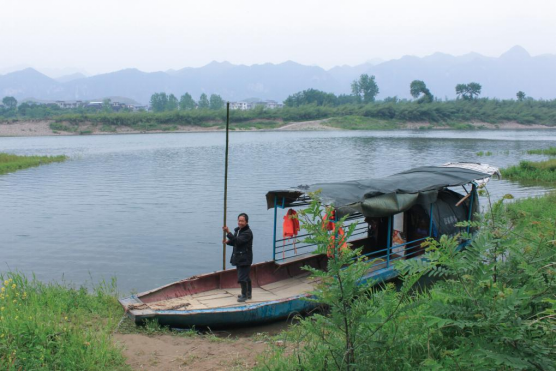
[500, 77]
[71, 77]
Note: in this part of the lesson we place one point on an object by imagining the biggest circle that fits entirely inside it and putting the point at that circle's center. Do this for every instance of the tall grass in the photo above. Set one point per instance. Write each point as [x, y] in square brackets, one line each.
[57, 327]
[549, 151]
[10, 163]
[543, 171]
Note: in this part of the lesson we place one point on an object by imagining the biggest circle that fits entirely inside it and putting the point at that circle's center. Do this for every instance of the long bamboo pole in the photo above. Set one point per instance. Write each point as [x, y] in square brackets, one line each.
[225, 186]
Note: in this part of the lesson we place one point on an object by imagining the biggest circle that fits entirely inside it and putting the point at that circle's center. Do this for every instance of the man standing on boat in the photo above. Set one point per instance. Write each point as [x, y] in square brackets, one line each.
[242, 255]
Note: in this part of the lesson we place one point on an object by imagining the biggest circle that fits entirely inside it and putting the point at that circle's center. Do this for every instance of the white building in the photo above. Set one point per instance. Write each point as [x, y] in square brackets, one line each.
[239, 106]
[66, 105]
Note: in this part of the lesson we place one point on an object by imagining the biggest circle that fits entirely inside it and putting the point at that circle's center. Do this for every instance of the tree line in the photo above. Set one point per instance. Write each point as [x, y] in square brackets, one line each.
[161, 102]
[365, 90]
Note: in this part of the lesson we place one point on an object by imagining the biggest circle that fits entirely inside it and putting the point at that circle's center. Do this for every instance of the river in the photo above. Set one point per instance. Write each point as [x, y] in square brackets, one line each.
[147, 208]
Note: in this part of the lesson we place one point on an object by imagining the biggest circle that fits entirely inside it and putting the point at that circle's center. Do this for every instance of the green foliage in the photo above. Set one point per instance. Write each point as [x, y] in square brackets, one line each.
[186, 102]
[365, 88]
[10, 102]
[417, 88]
[520, 96]
[492, 306]
[482, 153]
[10, 163]
[107, 107]
[203, 102]
[56, 327]
[172, 104]
[216, 102]
[543, 171]
[456, 114]
[549, 151]
[468, 91]
[159, 102]
[311, 96]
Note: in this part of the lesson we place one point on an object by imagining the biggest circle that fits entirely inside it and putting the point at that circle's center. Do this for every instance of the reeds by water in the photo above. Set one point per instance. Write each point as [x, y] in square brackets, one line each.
[10, 163]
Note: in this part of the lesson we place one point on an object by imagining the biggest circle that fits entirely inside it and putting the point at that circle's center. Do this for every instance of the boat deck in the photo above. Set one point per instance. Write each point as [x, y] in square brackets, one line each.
[227, 298]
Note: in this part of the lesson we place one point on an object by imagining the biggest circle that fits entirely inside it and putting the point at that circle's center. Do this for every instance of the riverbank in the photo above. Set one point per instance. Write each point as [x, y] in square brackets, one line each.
[51, 128]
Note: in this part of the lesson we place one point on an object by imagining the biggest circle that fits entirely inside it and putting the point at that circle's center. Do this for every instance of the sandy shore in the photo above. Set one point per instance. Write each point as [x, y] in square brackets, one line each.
[42, 128]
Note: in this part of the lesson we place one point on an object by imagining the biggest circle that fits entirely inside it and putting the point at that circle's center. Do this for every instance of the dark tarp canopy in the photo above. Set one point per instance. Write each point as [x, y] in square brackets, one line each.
[385, 196]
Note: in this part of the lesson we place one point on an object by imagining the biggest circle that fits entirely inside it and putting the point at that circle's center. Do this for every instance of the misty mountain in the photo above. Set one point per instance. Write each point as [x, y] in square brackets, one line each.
[500, 77]
[70, 77]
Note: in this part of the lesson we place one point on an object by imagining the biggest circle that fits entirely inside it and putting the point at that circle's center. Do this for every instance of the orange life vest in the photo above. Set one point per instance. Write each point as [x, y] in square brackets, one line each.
[329, 224]
[342, 245]
[291, 224]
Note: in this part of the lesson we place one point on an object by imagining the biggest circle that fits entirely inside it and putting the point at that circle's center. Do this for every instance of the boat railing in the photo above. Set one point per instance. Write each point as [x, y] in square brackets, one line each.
[287, 248]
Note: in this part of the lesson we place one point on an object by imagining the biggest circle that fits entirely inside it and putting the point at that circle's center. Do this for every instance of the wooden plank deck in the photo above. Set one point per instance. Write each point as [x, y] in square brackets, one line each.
[227, 298]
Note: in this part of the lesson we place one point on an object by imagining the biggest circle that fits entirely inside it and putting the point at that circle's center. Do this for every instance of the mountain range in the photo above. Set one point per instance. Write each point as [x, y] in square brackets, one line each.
[500, 77]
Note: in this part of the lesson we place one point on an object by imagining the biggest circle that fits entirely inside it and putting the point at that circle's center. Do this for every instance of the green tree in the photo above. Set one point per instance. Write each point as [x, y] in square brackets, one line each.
[474, 89]
[203, 102]
[461, 91]
[311, 96]
[468, 91]
[107, 106]
[521, 95]
[10, 102]
[215, 102]
[365, 88]
[159, 102]
[417, 88]
[186, 102]
[172, 104]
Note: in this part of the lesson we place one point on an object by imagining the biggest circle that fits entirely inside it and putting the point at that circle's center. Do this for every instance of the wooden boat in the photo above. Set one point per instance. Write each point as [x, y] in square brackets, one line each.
[404, 208]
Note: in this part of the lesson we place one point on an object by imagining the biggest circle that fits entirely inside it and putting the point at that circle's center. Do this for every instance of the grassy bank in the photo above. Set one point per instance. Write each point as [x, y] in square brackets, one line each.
[456, 114]
[548, 151]
[10, 163]
[57, 327]
[538, 171]
[543, 171]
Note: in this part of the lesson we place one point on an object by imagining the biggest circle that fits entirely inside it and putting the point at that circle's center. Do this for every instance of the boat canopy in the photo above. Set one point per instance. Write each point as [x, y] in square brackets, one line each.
[383, 196]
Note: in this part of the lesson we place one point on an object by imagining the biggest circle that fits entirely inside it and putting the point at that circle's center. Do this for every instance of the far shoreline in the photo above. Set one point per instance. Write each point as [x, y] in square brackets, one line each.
[42, 128]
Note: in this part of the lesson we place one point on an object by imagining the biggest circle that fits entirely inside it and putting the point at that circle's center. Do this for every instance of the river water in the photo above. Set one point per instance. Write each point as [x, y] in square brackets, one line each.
[147, 209]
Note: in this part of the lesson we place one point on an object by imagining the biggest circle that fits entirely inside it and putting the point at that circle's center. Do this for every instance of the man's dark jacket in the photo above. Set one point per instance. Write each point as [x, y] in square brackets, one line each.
[242, 240]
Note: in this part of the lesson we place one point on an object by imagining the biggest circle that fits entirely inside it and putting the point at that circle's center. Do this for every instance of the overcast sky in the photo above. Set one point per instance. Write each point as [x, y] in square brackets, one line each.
[103, 36]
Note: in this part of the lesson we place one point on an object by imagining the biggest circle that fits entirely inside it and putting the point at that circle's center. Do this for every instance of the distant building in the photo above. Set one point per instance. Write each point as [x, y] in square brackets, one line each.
[242, 106]
[97, 105]
[69, 104]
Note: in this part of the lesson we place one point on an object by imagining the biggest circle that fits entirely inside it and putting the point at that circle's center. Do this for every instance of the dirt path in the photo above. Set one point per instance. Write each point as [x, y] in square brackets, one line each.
[231, 349]
[200, 353]
[307, 125]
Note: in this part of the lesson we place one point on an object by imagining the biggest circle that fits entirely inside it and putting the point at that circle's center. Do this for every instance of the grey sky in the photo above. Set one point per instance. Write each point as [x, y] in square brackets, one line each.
[103, 36]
